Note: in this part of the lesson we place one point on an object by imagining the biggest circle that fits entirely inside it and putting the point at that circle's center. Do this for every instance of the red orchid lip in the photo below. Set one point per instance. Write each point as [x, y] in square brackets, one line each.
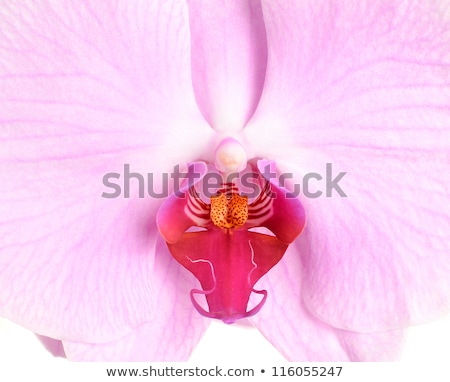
[229, 261]
[227, 316]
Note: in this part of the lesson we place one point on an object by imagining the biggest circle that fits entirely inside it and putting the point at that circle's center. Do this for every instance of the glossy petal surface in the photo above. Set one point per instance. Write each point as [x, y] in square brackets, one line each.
[364, 86]
[164, 337]
[85, 89]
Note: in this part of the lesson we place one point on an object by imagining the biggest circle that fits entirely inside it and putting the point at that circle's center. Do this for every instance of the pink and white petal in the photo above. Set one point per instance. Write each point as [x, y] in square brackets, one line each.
[149, 342]
[229, 54]
[160, 338]
[86, 89]
[299, 336]
[364, 86]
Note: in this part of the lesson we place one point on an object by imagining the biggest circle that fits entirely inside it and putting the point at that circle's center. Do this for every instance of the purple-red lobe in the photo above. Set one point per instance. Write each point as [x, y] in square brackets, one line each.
[228, 264]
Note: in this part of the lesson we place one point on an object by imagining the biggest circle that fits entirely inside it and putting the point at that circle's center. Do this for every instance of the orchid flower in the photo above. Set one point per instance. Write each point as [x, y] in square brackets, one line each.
[216, 88]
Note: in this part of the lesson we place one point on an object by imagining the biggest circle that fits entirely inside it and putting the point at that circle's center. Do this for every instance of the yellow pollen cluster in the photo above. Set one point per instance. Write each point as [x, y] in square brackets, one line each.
[229, 212]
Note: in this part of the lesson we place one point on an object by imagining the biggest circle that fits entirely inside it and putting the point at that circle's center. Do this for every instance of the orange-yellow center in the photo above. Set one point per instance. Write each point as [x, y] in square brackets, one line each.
[229, 212]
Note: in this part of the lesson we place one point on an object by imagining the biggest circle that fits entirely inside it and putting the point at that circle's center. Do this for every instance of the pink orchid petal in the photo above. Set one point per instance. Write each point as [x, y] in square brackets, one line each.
[364, 86]
[299, 336]
[229, 56]
[156, 343]
[87, 88]
[172, 332]
[55, 347]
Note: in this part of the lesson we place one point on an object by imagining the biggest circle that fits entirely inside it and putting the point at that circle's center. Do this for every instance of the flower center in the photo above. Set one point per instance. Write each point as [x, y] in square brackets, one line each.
[229, 212]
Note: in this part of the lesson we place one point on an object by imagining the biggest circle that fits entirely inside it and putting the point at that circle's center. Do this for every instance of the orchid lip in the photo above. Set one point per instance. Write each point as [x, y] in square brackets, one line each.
[227, 316]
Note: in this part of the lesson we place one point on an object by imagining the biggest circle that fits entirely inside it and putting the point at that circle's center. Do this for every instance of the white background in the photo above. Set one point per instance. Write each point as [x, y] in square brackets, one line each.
[427, 345]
